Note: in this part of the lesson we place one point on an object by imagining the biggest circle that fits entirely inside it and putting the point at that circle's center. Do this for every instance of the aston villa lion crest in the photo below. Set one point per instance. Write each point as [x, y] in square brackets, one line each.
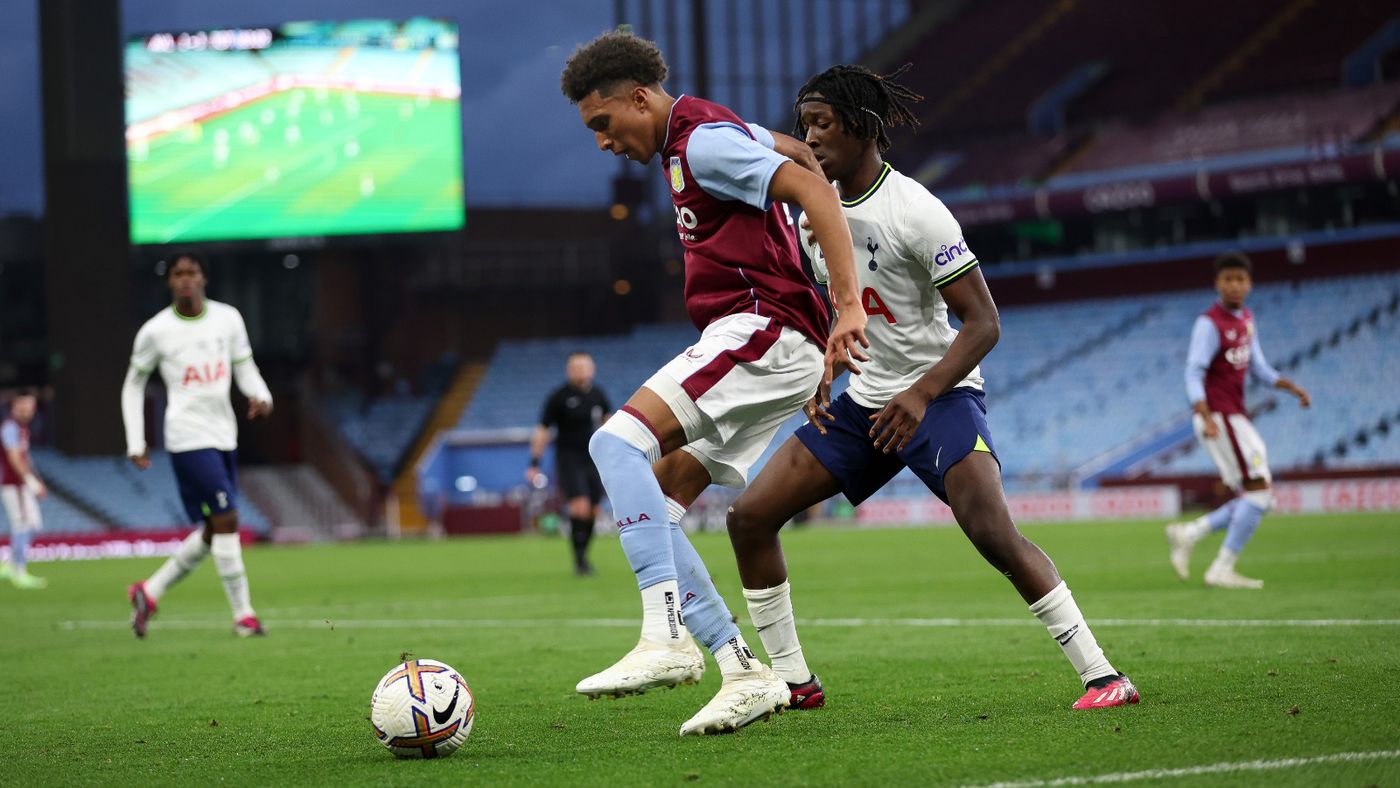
[677, 176]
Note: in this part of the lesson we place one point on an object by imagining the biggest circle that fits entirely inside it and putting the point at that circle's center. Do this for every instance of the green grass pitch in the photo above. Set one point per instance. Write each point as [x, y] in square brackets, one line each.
[936, 672]
[301, 162]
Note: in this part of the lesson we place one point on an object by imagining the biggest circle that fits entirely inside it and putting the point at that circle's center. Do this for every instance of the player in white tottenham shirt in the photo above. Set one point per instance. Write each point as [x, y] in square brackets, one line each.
[917, 403]
[198, 345]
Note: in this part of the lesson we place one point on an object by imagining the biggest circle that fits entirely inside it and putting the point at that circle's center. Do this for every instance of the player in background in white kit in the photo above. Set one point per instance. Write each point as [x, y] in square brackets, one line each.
[21, 489]
[198, 345]
[1224, 348]
[918, 403]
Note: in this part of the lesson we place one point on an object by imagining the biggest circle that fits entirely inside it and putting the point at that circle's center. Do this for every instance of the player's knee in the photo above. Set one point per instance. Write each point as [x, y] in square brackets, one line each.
[1263, 500]
[620, 436]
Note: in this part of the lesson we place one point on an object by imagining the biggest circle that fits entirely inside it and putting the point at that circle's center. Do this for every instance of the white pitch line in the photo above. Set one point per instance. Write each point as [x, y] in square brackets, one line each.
[333, 622]
[1214, 768]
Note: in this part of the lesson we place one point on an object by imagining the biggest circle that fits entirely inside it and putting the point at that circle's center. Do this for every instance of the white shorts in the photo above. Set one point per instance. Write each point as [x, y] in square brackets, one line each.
[733, 388]
[21, 507]
[1237, 449]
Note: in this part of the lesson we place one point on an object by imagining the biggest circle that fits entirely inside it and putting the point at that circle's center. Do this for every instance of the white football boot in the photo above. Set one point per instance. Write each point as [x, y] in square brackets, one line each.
[742, 698]
[1182, 541]
[1222, 577]
[648, 666]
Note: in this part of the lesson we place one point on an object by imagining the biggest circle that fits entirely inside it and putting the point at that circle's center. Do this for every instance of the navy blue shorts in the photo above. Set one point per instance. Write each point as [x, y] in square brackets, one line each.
[954, 425]
[208, 480]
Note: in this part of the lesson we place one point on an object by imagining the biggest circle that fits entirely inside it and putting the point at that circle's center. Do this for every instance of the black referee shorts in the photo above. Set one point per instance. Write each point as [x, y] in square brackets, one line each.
[578, 477]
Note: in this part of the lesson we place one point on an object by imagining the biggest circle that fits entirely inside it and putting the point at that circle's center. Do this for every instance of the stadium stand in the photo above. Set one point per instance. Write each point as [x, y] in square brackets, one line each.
[1072, 380]
[124, 496]
[380, 430]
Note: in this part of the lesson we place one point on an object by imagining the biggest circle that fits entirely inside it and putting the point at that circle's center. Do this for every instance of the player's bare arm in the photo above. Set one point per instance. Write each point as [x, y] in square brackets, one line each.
[797, 150]
[971, 301]
[1209, 430]
[1284, 384]
[539, 441]
[793, 184]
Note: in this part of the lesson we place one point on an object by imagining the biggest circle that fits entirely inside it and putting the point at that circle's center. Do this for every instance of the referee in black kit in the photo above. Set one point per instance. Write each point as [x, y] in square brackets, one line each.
[575, 410]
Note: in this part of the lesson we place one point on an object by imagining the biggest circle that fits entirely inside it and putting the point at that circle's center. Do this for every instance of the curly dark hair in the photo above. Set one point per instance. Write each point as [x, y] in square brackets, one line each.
[866, 102]
[187, 254]
[1234, 260]
[610, 59]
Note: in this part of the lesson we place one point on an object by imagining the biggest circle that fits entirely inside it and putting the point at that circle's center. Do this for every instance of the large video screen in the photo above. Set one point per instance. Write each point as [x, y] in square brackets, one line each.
[310, 129]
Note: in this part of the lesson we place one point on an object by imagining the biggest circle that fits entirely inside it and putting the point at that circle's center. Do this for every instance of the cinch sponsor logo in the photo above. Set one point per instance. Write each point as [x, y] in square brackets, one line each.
[948, 253]
[1238, 357]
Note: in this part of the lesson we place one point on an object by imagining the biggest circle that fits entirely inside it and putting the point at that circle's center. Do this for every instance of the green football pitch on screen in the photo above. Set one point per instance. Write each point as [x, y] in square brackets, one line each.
[301, 162]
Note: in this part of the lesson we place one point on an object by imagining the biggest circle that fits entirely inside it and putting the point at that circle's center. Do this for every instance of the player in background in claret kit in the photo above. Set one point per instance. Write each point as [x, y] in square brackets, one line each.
[575, 411]
[758, 358]
[1224, 347]
[21, 489]
[198, 345]
[918, 402]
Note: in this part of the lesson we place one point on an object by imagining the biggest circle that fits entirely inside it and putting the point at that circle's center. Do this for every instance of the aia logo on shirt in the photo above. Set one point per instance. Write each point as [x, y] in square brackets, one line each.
[204, 374]
[875, 306]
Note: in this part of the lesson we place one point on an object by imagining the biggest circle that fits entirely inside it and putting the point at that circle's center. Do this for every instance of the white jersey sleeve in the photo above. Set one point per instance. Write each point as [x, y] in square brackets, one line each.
[145, 357]
[933, 238]
[245, 370]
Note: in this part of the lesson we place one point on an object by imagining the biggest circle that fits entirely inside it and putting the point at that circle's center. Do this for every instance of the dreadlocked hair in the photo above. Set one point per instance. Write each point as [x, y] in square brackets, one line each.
[866, 102]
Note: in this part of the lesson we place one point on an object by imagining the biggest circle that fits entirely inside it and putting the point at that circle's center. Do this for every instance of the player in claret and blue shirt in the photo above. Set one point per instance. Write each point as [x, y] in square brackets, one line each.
[758, 358]
[917, 403]
[1224, 348]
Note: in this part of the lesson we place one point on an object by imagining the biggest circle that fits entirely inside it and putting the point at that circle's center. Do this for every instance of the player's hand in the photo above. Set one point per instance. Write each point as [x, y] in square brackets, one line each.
[142, 461]
[896, 423]
[810, 236]
[257, 407]
[530, 474]
[818, 407]
[40, 490]
[846, 343]
[1210, 430]
[1301, 393]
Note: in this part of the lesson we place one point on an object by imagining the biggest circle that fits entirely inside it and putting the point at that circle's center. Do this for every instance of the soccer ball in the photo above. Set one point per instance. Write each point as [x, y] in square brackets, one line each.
[422, 709]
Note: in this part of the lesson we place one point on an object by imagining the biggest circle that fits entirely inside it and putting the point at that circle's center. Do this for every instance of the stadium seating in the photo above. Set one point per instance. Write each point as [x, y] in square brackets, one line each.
[984, 69]
[1072, 380]
[124, 496]
[381, 430]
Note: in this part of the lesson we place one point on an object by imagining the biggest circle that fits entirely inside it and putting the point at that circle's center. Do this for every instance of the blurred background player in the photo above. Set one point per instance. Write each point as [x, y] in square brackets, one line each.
[198, 344]
[575, 411]
[757, 360]
[1224, 346]
[919, 401]
[21, 489]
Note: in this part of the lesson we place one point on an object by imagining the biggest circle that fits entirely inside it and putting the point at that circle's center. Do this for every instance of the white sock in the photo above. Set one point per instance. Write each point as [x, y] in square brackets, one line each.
[734, 656]
[1224, 560]
[661, 613]
[1061, 616]
[770, 609]
[187, 556]
[228, 559]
